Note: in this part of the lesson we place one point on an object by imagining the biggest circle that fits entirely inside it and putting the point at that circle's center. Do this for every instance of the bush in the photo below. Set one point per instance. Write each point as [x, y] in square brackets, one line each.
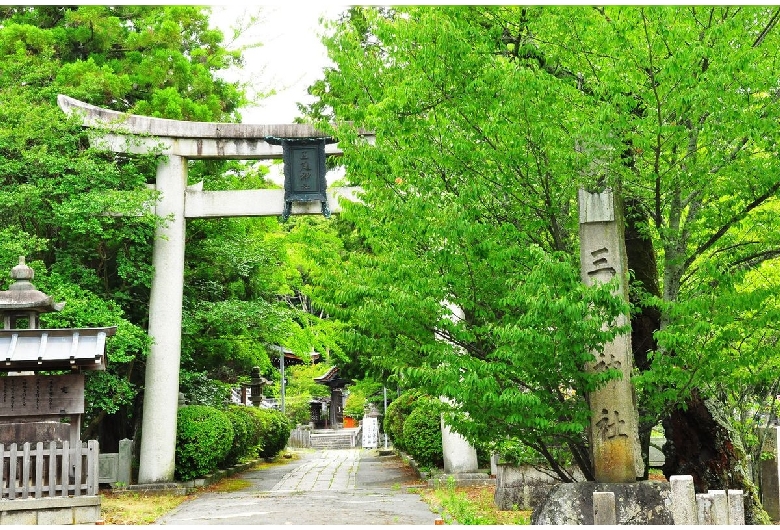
[361, 396]
[199, 389]
[422, 433]
[204, 436]
[396, 415]
[297, 409]
[246, 433]
[274, 432]
[355, 406]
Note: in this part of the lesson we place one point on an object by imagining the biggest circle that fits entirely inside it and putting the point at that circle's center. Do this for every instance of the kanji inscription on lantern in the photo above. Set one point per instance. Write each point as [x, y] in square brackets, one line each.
[304, 160]
[43, 395]
[304, 171]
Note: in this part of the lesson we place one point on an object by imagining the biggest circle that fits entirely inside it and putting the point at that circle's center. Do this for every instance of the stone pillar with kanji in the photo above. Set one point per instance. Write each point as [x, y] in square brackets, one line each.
[614, 438]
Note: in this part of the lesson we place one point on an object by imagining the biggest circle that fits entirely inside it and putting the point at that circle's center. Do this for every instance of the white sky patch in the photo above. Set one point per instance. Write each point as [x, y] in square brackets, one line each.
[290, 57]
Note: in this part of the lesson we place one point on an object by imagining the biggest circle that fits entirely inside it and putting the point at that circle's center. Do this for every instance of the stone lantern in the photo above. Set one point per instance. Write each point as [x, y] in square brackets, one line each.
[304, 171]
[33, 405]
[256, 387]
[22, 301]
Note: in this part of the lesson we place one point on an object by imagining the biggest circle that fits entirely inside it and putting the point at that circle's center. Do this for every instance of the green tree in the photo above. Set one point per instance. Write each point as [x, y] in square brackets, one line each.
[487, 121]
[79, 215]
[245, 289]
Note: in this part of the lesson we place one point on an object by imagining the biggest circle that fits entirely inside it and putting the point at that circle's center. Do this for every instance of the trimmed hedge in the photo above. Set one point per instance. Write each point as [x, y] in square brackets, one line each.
[274, 432]
[397, 412]
[208, 439]
[247, 427]
[204, 436]
[422, 433]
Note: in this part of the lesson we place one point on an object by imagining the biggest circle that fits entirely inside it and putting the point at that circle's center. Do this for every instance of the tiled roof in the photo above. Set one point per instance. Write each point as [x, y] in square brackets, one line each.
[328, 376]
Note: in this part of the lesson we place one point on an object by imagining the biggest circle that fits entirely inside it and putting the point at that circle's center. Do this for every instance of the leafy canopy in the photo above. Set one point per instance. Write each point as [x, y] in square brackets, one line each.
[487, 121]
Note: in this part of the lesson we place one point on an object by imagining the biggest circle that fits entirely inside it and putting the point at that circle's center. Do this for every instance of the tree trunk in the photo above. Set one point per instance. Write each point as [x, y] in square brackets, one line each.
[700, 443]
[699, 440]
[646, 320]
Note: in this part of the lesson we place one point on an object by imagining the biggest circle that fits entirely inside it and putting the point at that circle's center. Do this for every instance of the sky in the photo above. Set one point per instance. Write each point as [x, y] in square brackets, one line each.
[290, 58]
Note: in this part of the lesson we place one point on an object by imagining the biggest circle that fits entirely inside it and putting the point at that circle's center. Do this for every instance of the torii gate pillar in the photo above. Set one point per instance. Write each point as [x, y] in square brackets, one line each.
[158, 440]
[181, 141]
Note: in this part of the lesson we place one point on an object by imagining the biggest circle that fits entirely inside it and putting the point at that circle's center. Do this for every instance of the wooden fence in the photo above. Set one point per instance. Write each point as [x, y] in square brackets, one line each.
[300, 437]
[48, 470]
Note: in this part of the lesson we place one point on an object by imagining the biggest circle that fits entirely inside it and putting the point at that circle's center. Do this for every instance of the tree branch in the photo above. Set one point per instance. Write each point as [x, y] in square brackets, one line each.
[769, 27]
[725, 228]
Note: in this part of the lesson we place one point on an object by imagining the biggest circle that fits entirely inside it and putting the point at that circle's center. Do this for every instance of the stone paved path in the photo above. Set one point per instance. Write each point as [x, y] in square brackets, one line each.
[347, 486]
[333, 470]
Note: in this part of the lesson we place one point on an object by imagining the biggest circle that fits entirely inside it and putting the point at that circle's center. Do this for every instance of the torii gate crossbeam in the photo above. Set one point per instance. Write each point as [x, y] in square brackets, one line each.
[180, 141]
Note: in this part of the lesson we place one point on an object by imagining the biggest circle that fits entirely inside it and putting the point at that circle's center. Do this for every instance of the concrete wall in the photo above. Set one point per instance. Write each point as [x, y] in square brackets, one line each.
[52, 511]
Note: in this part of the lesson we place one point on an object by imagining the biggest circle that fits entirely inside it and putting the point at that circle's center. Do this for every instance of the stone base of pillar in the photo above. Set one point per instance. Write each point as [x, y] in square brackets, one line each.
[462, 479]
[639, 503]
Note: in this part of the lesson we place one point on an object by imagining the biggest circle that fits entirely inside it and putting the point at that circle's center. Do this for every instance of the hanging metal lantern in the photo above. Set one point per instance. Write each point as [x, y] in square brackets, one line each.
[304, 171]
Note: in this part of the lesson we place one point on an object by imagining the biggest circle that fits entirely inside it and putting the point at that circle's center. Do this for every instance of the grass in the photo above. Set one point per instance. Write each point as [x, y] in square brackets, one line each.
[129, 508]
[471, 505]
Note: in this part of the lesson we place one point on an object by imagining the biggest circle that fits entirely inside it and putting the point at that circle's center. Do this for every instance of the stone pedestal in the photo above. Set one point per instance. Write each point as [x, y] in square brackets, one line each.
[640, 503]
[525, 487]
[636, 503]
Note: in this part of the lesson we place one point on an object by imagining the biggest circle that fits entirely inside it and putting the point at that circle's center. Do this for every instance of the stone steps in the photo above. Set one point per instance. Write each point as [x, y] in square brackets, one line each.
[334, 439]
[331, 441]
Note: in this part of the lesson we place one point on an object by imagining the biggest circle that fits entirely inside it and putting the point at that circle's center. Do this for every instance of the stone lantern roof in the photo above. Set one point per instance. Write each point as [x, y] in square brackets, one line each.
[36, 349]
[22, 294]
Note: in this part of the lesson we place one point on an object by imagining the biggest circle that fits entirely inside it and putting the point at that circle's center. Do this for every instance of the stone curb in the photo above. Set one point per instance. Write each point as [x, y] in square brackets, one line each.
[438, 478]
[189, 486]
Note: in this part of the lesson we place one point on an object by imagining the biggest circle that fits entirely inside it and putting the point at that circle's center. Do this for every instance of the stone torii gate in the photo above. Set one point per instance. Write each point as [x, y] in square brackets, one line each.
[181, 141]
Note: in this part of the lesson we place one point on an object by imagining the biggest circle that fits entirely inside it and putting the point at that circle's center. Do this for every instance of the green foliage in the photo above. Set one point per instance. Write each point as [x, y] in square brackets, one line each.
[243, 293]
[300, 389]
[274, 431]
[397, 412]
[233, 280]
[361, 395]
[199, 389]
[422, 434]
[149, 60]
[518, 454]
[247, 432]
[297, 409]
[204, 436]
[355, 405]
[487, 121]
[80, 215]
[300, 380]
